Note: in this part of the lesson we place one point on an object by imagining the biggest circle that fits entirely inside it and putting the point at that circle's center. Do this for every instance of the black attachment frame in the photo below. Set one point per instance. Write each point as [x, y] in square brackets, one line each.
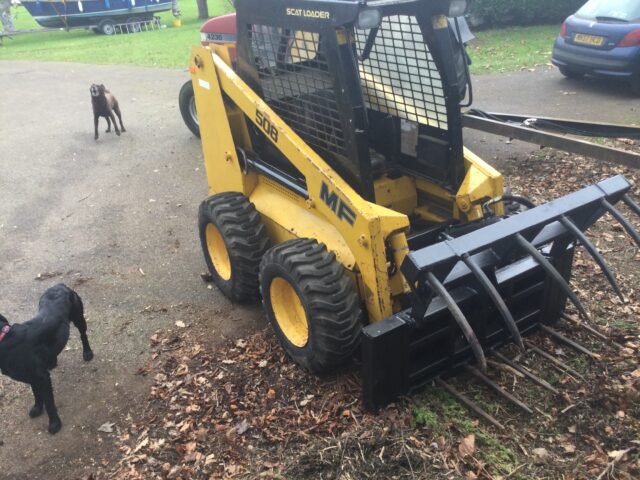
[456, 315]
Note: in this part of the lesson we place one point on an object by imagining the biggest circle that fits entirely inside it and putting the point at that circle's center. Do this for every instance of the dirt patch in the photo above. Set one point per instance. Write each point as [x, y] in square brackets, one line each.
[246, 411]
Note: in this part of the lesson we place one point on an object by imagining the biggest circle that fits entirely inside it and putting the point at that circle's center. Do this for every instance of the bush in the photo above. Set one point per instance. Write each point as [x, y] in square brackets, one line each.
[521, 12]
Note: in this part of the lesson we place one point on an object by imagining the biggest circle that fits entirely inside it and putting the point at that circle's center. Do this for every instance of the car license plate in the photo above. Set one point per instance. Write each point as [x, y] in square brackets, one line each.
[594, 40]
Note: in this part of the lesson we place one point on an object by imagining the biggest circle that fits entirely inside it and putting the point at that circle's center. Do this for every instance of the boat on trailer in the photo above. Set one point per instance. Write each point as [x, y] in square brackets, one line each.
[101, 15]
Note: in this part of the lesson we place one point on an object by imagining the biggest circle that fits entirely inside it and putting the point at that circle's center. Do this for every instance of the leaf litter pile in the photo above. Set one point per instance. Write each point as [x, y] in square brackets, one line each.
[244, 410]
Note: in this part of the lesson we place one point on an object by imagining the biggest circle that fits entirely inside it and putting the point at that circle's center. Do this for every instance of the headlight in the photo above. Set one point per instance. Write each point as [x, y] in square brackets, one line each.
[203, 37]
[457, 8]
[368, 19]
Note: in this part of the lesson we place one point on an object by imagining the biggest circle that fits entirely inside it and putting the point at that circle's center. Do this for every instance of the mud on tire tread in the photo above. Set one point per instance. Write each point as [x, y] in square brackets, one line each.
[245, 238]
[329, 298]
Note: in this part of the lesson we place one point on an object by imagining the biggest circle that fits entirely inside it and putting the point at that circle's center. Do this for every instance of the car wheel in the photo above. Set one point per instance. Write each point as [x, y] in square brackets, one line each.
[107, 27]
[570, 73]
[134, 24]
[187, 102]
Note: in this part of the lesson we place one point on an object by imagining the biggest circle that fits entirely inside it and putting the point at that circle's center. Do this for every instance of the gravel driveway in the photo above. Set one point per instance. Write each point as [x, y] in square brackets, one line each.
[116, 220]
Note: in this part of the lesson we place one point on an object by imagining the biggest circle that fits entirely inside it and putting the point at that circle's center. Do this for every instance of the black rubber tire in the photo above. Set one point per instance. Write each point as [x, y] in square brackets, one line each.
[107, 27]
[329, 298]
[245, 239]
[187, 103]
[570, 73]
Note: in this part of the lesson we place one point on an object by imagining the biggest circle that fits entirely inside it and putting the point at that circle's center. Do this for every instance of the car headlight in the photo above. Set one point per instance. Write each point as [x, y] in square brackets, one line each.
[203, 37]
[457, 8]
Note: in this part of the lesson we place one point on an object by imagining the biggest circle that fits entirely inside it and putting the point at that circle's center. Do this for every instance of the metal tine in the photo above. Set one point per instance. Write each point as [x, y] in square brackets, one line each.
[593, 251]
[460, 319]
[591, 330]
[497, 299]
[631, 204]
[526, 372]
[575, 345]
[555, 361]
[546, 265]
[622, 220]
[468, 403]
[498, 389]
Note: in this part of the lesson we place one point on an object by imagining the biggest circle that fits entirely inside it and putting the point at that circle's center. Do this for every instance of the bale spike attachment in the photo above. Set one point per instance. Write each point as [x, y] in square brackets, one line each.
[631, 204]
[553, 273]
[478, 290]
[558, 363]
[525, 371]
[498, 389]
[615, 213]
[496, 298]
[468, 403]
[593, 251]
[460, 319]
[567, 341]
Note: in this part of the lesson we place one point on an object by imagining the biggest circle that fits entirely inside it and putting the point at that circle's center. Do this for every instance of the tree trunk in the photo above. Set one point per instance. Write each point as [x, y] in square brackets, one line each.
[203, 9]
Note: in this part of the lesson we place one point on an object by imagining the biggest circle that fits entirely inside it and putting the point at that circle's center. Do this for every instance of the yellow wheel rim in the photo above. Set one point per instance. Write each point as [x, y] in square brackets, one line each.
[218, 252]
[289, 312]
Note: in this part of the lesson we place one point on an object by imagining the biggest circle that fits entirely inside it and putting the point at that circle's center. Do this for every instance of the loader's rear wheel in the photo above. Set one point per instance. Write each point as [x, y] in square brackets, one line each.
[311, 303]
[233, 241]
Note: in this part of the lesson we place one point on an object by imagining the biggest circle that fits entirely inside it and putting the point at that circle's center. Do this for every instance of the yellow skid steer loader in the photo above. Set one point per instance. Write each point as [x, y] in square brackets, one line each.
[342, 195]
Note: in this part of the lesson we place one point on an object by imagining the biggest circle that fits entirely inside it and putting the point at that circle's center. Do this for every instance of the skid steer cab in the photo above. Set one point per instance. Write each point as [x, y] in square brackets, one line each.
[342, 196]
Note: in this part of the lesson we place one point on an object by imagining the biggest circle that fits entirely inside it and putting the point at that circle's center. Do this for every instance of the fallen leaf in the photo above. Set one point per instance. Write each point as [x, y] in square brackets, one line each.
[467, 445]
[617, 454]
[106, 427]
[541, 453]
[141, 445]
[243, 426]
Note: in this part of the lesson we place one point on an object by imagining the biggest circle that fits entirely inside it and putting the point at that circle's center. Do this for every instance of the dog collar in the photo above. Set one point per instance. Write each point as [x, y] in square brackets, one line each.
[4, 331]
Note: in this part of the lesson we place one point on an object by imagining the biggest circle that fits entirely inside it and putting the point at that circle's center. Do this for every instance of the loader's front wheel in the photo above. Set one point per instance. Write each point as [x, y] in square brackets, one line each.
[233, 241]
[311, 303]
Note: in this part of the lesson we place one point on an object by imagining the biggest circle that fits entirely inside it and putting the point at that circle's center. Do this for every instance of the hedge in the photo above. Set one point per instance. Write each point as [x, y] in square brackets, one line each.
[521, 12]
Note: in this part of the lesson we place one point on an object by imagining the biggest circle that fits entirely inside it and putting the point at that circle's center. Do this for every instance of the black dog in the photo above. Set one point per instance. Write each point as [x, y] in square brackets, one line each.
[29, 350]
[104, 104]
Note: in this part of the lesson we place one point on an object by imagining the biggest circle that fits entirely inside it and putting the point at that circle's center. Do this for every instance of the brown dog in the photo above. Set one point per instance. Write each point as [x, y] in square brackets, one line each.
[104, 104]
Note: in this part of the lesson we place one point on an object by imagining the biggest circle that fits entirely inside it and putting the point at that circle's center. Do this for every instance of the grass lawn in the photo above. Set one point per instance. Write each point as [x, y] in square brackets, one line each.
[500, 50]
[511, 49]
[169, 47]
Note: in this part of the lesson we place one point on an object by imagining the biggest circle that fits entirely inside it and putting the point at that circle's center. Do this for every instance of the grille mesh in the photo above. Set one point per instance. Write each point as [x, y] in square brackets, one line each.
[296, 83]
[400, 76]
